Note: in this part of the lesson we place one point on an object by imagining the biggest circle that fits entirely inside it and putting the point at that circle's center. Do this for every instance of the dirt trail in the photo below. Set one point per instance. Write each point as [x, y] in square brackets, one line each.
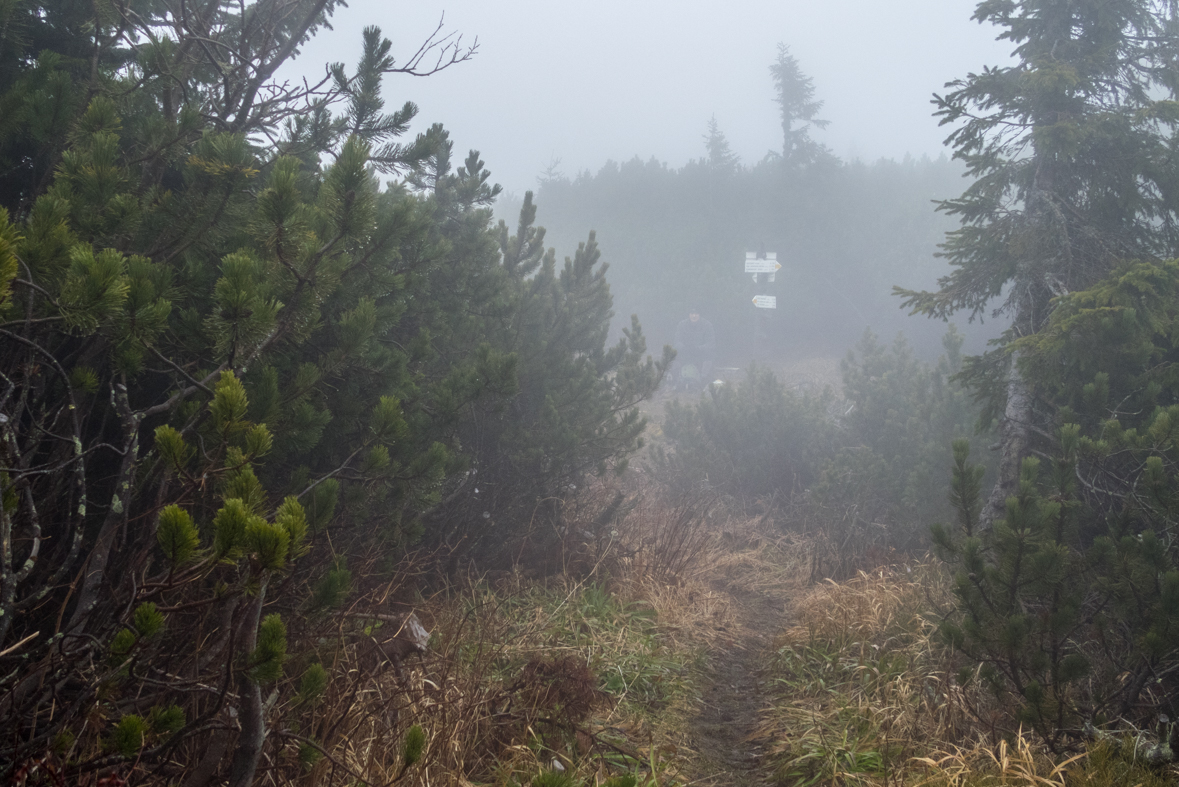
[759, 589]
[722, 733]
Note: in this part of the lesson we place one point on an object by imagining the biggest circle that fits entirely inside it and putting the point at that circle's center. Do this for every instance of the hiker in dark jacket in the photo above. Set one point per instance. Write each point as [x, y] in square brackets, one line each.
[695, 344]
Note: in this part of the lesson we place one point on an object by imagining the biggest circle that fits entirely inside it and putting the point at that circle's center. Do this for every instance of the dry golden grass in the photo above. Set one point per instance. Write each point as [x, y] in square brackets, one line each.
[741, 576]
[861, 683]
[1017, 763]
[736, 562]
[867, 606]
[873, 636]
[1021, 763]
[862, 692]
[453, 696]
[866, 696]
[476, 694]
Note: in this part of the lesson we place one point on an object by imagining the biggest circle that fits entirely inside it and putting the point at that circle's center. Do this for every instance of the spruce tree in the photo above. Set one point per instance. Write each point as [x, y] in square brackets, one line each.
[1070, 152]
[795, 97]
[1066, 579]
[721, 158]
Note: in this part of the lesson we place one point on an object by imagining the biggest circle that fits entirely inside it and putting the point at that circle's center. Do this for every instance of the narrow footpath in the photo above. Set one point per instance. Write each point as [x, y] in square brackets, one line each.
[722, 733]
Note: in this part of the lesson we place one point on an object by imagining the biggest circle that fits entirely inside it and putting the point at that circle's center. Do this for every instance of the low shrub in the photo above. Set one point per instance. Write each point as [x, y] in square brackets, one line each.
[863, 474]
[753, 440]
[1067, 603]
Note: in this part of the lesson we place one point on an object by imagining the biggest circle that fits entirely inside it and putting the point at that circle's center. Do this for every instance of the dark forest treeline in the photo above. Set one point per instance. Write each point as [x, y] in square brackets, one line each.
[845, 233]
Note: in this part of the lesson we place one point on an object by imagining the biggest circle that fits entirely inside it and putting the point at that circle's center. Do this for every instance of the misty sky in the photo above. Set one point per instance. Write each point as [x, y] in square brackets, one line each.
[588, 82]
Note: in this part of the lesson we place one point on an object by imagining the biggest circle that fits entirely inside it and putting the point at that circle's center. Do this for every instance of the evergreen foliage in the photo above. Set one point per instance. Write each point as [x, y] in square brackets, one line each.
[884, 482]
[1068, 604]
[752, 440]
[575, 410]
[844, 232]
[413, 745]
[795, 97]
[1069, 148]
[234, 364]
[721, 157]
[864, 470]
[1071, 151]
[1066, 575]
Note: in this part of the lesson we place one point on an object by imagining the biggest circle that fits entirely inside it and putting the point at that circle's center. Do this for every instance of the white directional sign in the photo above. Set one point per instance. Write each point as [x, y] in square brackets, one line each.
[765, 301]
[769, 265]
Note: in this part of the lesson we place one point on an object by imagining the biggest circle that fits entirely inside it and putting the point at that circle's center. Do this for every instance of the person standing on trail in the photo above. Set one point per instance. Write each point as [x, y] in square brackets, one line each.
[695, 342]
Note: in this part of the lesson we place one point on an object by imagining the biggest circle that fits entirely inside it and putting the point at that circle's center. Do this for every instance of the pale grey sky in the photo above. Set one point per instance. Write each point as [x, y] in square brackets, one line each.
[587, 82]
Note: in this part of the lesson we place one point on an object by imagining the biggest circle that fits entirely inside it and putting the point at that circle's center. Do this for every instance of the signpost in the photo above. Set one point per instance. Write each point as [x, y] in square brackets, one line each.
[769, 264]
[763, 267]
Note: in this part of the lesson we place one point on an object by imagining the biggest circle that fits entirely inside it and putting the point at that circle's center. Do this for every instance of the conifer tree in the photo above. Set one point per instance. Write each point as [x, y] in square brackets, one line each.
[721, 157]
[1066, 579]
[1068, 604]
[183, 313]
[1070, 151]
[233, 364]
[795, 97]
[575, 409]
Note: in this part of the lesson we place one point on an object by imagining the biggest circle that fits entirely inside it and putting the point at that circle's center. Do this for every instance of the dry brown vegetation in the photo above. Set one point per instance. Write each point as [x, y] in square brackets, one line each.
[620, 665]
[589, 669]
[866, 694]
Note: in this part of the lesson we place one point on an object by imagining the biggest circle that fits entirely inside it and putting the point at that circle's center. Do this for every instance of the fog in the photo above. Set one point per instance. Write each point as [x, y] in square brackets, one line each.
[576, 85]
[566, 93]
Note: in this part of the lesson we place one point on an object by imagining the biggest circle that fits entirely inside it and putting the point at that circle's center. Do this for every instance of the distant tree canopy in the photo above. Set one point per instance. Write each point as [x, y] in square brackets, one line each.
[720, 156]
[845, 232]
[239, 375]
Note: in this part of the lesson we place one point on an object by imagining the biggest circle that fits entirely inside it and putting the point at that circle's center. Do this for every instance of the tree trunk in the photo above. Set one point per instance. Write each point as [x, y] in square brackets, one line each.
[93, 585]
[1014, 438]
[253, 724]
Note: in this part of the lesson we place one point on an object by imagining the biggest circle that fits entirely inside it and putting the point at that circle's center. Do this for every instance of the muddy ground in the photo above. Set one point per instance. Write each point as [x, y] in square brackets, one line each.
[727, 754]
